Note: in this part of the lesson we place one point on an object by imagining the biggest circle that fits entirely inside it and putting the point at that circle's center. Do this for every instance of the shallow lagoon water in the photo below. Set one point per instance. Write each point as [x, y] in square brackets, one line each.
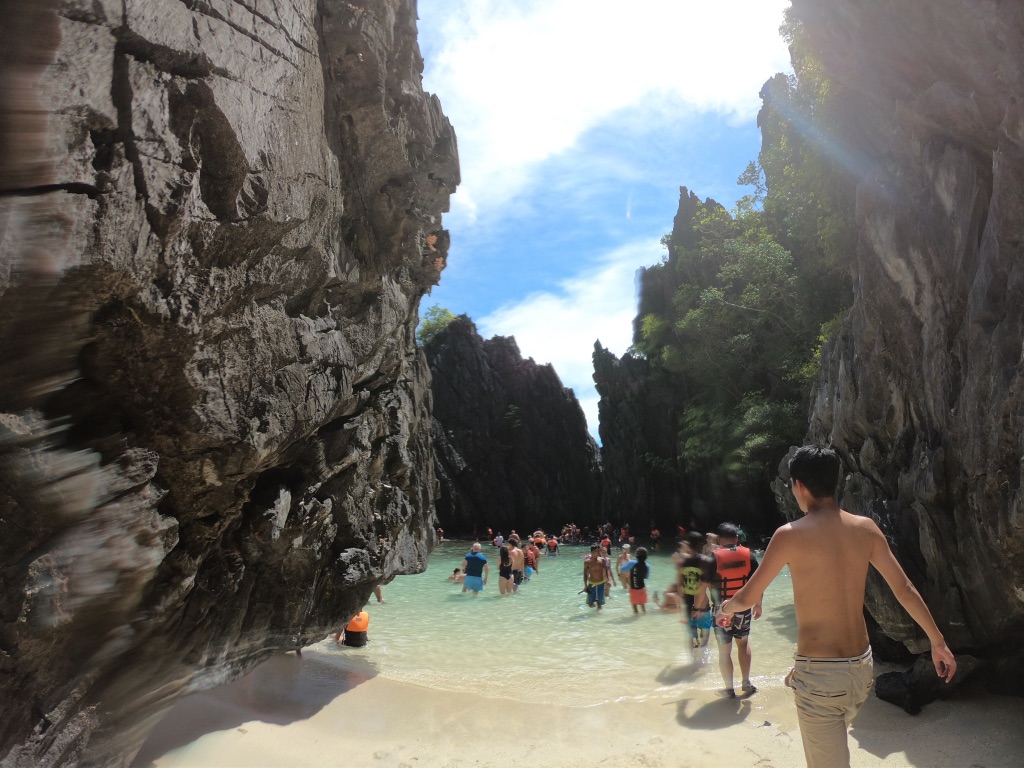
[543, 644]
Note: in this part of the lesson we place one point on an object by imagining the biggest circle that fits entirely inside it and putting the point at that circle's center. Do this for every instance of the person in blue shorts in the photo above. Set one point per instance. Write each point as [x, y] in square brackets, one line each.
[695, 572]
[597, 576]
[475, 567]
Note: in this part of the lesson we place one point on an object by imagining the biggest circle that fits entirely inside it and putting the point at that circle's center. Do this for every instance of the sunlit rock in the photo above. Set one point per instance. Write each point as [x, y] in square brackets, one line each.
[217, 224]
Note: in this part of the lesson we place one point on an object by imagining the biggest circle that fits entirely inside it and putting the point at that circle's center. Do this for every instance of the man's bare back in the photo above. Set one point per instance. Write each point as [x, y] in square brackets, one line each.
[517, 557]
[828, 552]
[828, 555]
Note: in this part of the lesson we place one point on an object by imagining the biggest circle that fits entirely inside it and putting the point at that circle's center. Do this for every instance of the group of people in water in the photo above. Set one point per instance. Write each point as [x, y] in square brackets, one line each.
[517, 562]
[719, 585]
[708, 570]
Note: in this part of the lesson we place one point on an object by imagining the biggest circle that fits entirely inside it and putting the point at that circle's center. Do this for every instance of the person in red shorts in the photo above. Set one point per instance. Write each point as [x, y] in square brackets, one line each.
[638, 581]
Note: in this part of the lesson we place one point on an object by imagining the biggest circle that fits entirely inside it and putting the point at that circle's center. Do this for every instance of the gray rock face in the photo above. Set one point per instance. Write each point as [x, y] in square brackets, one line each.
[511, 443]
[923, 393]
[218, 219]
[642, 486]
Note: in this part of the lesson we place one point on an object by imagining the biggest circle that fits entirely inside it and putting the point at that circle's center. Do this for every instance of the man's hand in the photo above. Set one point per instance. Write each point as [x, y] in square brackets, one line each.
[757, 611]
[944, 661]
[723, 617]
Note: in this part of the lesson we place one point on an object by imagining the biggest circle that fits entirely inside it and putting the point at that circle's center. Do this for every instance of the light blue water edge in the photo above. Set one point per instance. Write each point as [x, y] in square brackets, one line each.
[544, 644]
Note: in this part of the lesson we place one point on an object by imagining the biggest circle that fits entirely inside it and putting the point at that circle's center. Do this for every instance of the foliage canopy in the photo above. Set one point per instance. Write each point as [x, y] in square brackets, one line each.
[434, 320]
[735, 319]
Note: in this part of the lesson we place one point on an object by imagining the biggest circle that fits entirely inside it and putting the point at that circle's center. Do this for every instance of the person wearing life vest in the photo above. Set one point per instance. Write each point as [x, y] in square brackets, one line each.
[354, 633]
[734, 565]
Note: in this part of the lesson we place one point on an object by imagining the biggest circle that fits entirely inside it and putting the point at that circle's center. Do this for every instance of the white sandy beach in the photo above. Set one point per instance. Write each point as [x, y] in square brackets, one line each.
[300, 712]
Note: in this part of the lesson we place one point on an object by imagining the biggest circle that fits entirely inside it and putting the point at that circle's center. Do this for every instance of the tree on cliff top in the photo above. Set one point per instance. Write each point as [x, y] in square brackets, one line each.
[435, 320]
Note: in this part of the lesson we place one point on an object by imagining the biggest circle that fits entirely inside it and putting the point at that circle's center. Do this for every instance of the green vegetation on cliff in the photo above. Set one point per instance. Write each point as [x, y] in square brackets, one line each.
[434, 320]
[734, 320]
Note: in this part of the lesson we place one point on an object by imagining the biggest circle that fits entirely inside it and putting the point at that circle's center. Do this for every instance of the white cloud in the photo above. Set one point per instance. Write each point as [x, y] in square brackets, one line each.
[522, 81]
[561, 328]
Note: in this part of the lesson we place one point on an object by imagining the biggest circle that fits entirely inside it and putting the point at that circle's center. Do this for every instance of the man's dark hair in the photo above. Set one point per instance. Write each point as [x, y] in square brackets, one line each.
[728, 531]
[817, 467]
[641, 553]
[695, 539]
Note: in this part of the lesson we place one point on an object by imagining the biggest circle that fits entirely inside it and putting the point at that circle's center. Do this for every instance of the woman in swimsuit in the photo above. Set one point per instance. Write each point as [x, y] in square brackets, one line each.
[505, 584]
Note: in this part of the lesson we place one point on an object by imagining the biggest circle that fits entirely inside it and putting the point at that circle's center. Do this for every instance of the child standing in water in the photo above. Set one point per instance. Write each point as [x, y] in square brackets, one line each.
[637, 581]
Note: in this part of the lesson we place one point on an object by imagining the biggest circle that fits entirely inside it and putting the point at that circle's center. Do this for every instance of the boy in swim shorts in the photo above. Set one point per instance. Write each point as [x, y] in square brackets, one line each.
[596, 576]
[637, 576]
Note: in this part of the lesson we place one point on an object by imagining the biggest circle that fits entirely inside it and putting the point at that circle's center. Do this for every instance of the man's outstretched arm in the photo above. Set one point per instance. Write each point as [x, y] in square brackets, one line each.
[886, 564]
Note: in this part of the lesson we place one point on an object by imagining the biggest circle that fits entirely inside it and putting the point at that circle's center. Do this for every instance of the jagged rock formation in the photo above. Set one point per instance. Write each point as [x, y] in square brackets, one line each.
[642, 485]
[218, 219]
[511, 443]
[645, 480]
[923, 392]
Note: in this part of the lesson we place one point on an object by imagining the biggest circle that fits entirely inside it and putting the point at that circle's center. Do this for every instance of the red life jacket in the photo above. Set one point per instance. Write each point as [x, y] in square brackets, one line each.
[360, 622]
[733, 566]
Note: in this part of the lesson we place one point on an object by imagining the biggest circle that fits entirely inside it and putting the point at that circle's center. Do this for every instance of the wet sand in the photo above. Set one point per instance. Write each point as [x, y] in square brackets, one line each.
[301, 712]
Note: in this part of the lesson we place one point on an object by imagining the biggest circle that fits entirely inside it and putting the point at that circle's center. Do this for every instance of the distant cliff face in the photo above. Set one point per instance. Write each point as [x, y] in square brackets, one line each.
[511, 443]
[642, 484]
[646, 480]
[924, 393]
[218, 220]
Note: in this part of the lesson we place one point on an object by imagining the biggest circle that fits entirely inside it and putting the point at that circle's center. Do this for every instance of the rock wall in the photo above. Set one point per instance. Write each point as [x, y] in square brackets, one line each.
[217, 219]
[923, 392]
[511, 443]
[642, 485]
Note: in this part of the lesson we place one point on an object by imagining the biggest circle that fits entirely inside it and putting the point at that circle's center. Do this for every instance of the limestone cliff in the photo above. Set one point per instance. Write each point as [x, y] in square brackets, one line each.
[923, 392]
[217, 220]
[512, 447]
[646, 479]
[642, 486]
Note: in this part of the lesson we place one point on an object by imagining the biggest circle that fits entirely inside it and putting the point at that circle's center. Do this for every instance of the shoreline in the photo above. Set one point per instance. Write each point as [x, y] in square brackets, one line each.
[298, 711]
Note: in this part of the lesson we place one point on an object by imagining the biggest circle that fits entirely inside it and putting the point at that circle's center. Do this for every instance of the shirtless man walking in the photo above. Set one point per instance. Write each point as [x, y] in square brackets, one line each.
[597, 575]
[518, 561]
[828, 552]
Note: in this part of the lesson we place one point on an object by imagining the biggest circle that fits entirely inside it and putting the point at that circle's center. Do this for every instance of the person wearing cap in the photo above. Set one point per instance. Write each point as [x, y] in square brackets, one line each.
[734, 565]
[828, 552]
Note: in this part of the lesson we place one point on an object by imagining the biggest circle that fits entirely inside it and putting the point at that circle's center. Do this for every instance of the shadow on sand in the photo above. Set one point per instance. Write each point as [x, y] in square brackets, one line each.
[283, 690]
[712, 715]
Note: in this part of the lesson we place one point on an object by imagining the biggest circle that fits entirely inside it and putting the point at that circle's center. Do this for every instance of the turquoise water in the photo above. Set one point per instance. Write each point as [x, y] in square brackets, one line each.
[543, 644]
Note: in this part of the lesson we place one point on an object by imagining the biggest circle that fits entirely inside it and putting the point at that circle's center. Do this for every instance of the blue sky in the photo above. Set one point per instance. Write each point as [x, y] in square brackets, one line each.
[577, 122]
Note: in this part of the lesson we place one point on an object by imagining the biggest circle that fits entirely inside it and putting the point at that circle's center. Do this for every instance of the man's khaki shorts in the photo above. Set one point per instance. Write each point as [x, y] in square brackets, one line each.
[829, 693]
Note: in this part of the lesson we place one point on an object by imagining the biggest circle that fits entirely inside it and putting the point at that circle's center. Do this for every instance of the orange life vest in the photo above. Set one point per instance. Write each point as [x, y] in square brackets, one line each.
[733, 566]
[360, 622]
